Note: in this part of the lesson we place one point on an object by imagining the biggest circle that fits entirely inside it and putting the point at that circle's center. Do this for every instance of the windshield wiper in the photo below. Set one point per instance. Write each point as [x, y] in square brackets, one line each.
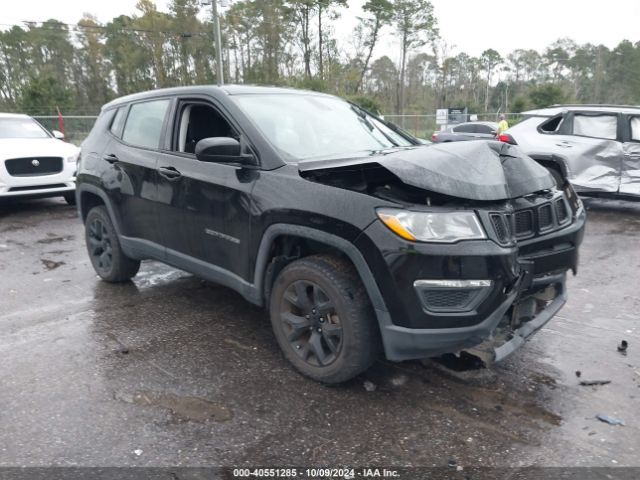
[365, 119]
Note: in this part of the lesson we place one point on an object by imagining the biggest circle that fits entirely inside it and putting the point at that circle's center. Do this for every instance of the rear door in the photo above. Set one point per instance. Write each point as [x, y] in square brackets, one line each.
[590, 144]
[204, 207]
[132, 182]
[630, 175]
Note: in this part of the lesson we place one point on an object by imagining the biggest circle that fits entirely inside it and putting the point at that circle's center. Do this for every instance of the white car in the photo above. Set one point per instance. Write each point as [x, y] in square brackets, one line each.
[34, 162]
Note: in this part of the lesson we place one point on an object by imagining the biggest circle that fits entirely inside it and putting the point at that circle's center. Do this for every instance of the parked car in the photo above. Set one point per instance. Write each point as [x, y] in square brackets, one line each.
[596, 146]
[34, 162]
[352, 235]
[466, 131]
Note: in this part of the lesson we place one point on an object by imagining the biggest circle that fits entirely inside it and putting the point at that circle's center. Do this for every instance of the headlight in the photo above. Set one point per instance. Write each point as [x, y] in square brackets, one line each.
[442, 227]
[73, 158]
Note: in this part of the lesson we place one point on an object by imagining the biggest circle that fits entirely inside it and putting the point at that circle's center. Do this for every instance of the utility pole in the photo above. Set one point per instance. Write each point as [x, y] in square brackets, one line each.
[216, 28]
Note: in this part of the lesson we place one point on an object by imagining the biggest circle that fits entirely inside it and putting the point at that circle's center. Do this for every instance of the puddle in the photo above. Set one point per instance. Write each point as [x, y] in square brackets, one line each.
[187, 408]
[50, 264]
[51, 238]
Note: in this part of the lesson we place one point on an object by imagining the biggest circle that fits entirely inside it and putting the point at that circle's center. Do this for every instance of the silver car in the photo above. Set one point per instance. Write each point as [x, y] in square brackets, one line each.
[466, 131]
[597, 147]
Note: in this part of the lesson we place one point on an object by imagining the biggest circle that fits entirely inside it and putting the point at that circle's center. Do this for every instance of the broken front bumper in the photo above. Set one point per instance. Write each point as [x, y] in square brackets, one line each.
[495, 338]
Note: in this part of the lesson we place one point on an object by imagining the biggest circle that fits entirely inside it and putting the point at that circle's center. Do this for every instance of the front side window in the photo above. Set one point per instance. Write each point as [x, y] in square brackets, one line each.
[597, 126]
[24, 127]
[313, 126]
[144, 123]
[198, 121]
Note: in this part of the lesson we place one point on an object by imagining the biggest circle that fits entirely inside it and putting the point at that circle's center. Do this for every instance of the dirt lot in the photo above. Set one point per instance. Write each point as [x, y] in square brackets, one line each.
[173, 370]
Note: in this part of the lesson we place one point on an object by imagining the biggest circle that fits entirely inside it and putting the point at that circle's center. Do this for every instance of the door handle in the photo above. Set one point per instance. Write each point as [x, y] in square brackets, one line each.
[169, 172]
[111, 158]
[564, 145]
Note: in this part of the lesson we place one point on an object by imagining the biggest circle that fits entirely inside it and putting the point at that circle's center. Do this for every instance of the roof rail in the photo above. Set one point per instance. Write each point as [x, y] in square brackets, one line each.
[606, 105]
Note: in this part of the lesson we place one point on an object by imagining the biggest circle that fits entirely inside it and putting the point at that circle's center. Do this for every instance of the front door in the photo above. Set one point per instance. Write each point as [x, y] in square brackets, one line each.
[204, 207]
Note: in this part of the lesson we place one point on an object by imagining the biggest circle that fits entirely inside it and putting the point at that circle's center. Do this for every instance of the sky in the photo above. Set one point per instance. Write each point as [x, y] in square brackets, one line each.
[469, 26]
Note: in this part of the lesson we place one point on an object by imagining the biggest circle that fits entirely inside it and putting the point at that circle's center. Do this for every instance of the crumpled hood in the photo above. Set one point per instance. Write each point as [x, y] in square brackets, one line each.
[478, 170]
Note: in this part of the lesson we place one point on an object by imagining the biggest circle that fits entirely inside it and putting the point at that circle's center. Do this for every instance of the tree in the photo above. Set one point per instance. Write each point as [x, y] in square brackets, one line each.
[416, 26]
[547, 95]
[381, 14]
[490, 60]
[43, 94]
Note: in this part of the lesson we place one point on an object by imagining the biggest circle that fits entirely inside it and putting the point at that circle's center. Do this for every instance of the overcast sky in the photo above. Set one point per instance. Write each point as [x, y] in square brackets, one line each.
[470, 25]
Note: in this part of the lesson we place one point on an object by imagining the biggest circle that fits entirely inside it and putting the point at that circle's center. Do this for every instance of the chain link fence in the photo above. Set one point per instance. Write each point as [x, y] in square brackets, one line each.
[76, 127]
[423, 126]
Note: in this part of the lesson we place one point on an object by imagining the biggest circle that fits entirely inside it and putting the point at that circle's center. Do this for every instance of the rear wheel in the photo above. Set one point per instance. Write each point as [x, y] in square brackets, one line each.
[107, 257]
[323, 320]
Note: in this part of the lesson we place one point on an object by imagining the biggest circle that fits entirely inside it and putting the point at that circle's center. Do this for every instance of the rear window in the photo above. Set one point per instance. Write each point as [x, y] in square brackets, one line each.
[144, 123]
[488, 129]
[597, 126]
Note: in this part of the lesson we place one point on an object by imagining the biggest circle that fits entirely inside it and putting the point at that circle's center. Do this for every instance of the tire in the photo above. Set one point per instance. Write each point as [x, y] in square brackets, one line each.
[103, 246]
[70, 197]
[323, 320]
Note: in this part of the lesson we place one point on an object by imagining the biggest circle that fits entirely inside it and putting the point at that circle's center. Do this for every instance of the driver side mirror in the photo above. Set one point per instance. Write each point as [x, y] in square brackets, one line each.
[221, 149]
[57, 134]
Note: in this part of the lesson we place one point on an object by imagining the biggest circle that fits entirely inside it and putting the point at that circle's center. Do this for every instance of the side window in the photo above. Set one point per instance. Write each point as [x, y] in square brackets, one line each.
[485, 129]
[118, 122]
[197, 121]
[634, 125]
[144, 123]
[597, 126]
[551, 126]
[465, 129]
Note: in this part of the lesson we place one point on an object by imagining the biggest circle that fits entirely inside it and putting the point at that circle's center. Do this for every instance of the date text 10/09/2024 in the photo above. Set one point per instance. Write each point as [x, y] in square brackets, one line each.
[315, 473]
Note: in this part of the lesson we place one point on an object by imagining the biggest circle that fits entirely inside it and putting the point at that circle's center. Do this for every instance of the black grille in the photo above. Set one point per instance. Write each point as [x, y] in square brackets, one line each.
[524, 223]
[444, 299]
[36, 187]
[545, 217]
[33, 166]
[561, 211]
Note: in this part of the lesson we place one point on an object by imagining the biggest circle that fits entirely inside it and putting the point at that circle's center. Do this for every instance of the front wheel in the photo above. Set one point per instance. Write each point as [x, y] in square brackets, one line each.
[323, 320]
[107, 257]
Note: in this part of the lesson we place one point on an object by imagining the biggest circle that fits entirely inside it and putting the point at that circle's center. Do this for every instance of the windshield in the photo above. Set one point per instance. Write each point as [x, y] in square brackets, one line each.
[21, 128]
[308, 126]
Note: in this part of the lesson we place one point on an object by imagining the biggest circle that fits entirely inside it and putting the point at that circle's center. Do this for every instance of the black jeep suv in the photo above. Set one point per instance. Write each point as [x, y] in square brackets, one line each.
[355, 237]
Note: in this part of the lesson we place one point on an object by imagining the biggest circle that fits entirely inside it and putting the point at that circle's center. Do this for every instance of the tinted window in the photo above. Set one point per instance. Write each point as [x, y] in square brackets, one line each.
[21, 128]
[551, 126]
[635, 129]
[144, 123]
[598, 126]
[118, 121]
[465, 129]
[485, 129]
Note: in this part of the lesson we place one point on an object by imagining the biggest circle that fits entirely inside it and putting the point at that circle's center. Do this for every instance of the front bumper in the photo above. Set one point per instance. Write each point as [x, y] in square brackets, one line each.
[530, 275]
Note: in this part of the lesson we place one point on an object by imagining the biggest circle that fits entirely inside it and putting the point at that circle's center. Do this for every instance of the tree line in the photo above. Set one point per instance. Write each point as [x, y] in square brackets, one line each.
[81, 66]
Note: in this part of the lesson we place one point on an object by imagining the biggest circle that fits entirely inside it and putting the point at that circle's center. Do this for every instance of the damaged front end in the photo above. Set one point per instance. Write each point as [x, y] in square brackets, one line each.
[482, 293]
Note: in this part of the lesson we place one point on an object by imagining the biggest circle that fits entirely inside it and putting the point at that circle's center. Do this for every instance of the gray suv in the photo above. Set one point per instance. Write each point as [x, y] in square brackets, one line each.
[596, 146]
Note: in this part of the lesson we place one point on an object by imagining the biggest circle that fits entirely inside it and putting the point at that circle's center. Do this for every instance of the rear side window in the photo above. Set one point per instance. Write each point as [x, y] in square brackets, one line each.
[551, 126]
[485, 129]
[118, 122]
[144, 123]
[465, 129]
[634, 123]
[597, 126]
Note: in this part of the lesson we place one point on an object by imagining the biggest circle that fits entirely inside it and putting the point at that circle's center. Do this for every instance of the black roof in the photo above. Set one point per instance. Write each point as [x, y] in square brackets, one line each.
[213, 90]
